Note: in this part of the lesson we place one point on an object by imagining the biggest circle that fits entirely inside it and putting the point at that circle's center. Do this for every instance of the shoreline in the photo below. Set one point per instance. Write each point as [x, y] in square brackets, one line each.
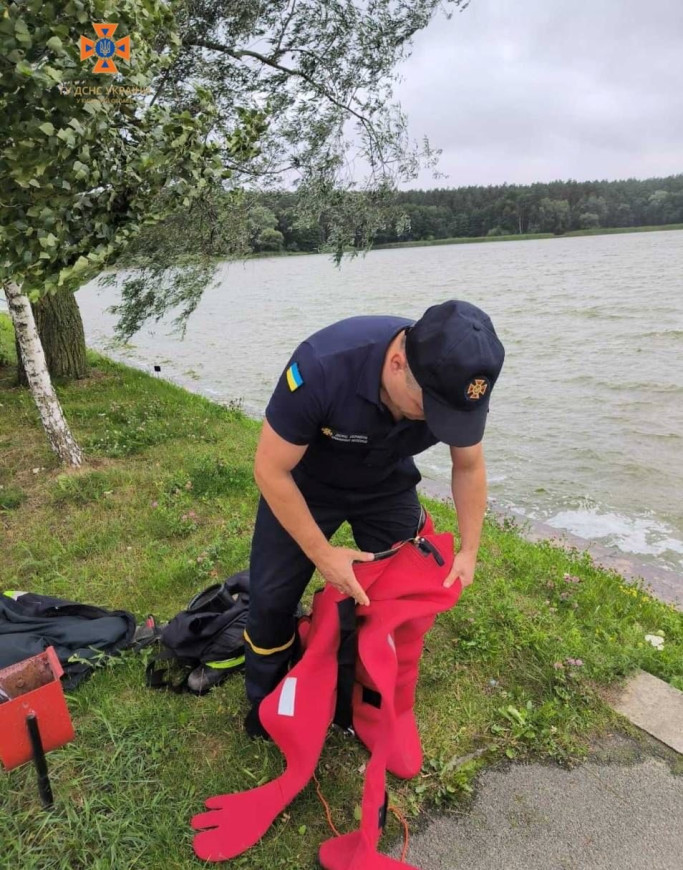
[665, 585]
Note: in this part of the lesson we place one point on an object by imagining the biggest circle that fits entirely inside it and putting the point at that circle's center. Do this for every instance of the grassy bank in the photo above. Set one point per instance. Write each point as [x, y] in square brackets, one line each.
[164, 507]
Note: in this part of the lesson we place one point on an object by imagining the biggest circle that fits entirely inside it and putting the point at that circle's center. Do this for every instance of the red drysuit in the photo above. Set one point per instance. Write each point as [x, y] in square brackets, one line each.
[406, 592]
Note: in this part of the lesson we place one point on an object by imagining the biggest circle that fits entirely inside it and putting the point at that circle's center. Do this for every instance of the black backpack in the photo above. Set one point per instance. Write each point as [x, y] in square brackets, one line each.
[209, 632]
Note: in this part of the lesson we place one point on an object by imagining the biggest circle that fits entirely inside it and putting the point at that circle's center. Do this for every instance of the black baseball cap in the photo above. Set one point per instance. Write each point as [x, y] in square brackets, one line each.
[455, 355]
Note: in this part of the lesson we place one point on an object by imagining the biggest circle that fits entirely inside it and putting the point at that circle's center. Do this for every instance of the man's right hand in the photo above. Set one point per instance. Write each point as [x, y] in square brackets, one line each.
[336, 567]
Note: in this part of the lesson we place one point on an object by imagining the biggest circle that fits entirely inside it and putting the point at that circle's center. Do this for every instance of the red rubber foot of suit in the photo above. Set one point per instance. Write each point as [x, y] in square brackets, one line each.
[353, 852]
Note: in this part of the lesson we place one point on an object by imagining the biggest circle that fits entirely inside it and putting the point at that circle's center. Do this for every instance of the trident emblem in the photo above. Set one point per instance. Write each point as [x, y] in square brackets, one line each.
[105, 48]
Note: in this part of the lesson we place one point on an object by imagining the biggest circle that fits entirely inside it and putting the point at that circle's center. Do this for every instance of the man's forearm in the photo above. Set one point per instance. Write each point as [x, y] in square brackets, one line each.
[468, 486]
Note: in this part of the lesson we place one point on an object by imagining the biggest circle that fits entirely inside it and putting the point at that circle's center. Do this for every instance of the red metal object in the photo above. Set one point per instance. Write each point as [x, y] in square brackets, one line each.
[34, 688]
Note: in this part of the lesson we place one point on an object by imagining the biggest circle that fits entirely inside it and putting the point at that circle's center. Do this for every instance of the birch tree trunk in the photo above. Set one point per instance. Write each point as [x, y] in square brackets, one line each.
[57, 430]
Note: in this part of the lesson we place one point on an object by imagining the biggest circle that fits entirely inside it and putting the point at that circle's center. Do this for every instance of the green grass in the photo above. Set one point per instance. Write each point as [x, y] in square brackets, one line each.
[165, 506]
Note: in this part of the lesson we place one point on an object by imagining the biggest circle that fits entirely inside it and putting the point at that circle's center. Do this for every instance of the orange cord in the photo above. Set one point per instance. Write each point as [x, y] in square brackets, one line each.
[406, 832]
[326, 805]
[394, 810]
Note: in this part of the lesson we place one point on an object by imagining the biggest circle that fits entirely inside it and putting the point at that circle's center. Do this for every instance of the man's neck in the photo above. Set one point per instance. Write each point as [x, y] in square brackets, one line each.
[388, 404]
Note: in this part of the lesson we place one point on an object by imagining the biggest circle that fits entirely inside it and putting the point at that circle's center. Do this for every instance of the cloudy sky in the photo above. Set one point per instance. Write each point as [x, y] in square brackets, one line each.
[536, 90]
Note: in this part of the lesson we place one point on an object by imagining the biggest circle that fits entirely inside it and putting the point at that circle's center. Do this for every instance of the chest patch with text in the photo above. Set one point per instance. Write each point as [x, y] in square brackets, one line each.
[344, 437]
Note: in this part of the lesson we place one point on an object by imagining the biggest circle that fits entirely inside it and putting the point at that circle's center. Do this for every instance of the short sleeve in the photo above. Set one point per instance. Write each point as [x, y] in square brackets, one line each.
[296, 408]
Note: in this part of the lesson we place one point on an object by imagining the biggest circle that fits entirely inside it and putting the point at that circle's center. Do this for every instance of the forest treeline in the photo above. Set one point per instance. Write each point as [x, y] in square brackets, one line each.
[556, 207]
[272, 222]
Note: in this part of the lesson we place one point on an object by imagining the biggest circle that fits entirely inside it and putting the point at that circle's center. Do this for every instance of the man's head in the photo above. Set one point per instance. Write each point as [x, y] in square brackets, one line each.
[455, 356]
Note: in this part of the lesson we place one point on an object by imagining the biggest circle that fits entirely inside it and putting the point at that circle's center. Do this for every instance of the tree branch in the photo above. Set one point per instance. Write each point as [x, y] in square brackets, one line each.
[278, 48]
[241, 53]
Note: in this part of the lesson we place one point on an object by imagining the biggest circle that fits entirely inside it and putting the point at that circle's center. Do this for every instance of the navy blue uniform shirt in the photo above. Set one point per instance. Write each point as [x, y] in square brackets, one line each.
[328, 397]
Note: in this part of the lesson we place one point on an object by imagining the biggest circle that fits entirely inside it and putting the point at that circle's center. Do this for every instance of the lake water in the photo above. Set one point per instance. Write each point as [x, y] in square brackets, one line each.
[586, 423]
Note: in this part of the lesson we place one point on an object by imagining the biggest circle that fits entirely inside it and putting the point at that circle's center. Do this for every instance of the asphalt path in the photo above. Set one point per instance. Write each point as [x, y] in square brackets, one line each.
[621, 808]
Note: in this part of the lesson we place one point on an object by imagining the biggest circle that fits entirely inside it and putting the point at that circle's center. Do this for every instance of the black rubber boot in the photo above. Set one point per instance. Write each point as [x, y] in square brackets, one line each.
[204, 678]
[252, 724]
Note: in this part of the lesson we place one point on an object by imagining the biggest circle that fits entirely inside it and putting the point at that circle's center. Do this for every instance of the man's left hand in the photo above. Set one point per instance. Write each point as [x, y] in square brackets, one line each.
[463, 568]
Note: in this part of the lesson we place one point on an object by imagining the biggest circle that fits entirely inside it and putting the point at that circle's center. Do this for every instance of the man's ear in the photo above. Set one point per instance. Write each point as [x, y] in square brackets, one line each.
[397, 362]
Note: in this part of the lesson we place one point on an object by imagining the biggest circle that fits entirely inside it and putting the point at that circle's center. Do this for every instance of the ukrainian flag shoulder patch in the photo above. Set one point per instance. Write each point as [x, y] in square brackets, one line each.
[294, 379]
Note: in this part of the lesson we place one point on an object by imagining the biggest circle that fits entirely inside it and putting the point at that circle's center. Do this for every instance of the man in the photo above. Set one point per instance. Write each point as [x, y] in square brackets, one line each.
[355, 403]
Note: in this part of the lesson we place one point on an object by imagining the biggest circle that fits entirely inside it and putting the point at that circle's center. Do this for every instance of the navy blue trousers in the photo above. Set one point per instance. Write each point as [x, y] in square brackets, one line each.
[279, 571]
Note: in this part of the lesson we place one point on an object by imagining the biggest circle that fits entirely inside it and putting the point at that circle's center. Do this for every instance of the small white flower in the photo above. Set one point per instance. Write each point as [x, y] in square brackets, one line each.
[656, 641]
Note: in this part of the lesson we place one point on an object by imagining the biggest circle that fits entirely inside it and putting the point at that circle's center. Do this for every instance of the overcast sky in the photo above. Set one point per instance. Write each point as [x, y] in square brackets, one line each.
[534, 90]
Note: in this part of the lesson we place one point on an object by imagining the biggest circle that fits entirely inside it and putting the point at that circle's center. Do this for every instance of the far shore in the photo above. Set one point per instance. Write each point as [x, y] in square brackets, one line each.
[524, 237]
[462, 240]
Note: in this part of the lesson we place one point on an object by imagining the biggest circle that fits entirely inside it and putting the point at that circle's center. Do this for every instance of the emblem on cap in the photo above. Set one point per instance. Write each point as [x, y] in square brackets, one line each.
[477, 389]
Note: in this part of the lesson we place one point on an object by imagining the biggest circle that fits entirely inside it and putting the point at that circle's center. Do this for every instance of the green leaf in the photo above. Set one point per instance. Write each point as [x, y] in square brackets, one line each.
[47, 128]
[48, 241]
[67, 136]
[80, 264]
[55, 43]
[24, 69]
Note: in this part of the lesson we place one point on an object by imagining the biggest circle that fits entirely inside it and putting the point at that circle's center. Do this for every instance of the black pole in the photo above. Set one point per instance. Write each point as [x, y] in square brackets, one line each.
[40, 761]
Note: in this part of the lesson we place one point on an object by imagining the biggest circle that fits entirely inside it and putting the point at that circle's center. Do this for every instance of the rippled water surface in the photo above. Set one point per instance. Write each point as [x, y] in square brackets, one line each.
[586, 423]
